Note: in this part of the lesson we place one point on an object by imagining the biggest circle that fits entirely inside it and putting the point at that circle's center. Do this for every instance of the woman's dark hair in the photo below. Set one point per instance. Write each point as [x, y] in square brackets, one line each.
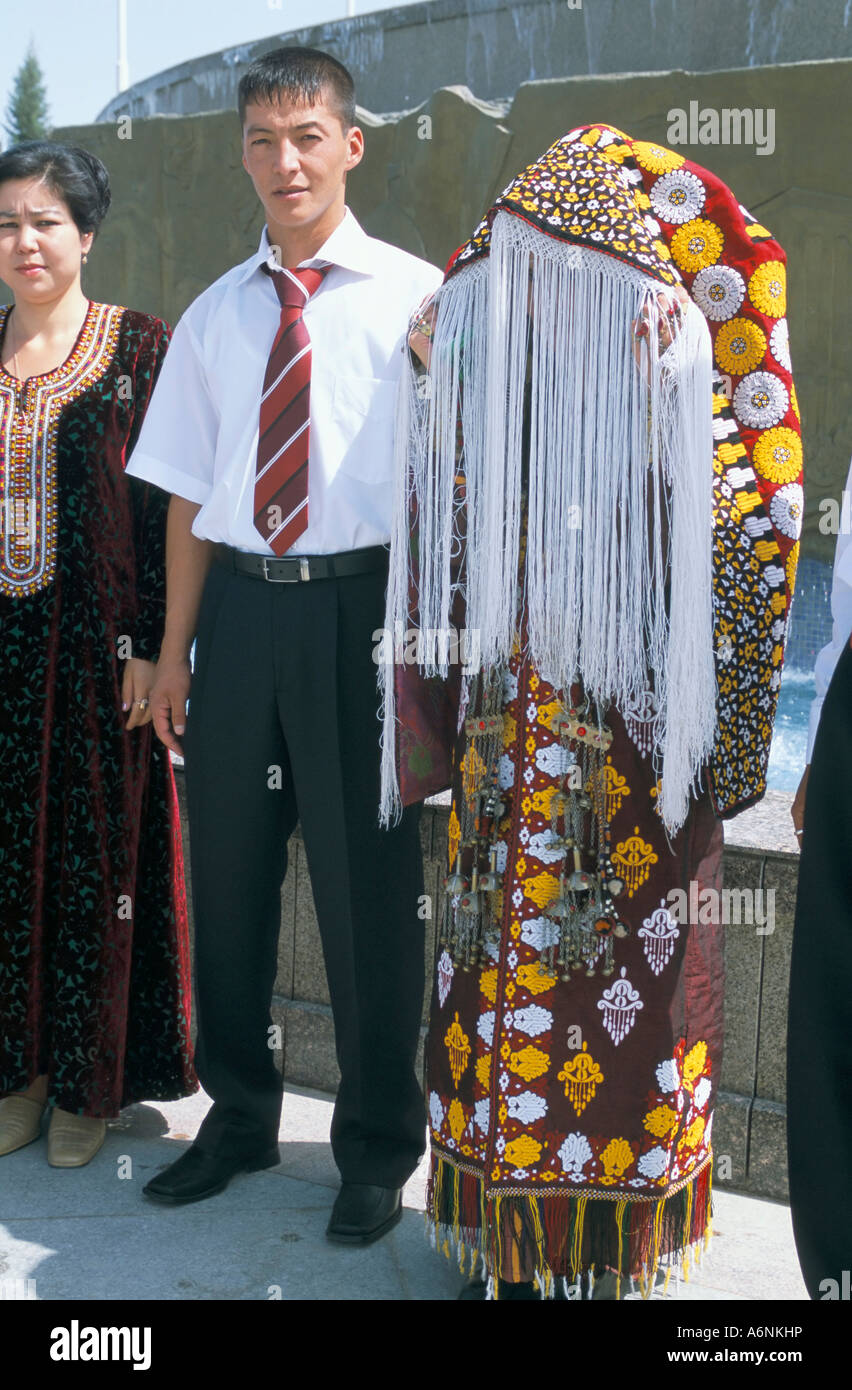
[302, 74]
[79, 177]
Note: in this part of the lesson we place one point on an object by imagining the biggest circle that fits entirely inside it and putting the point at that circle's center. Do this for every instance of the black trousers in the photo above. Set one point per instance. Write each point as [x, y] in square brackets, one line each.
[819, 1040]
[283, 727]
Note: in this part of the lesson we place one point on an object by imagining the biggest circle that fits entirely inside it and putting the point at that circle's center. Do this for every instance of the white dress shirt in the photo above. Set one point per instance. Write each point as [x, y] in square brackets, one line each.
[199, 436]
[841, 612]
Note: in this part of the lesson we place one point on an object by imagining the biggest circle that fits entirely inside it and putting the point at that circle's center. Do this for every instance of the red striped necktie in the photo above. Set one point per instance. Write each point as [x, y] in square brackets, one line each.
[281, 479]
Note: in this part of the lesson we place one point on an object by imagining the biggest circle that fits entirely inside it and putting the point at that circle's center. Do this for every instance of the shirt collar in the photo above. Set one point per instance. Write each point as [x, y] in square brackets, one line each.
[348, 246]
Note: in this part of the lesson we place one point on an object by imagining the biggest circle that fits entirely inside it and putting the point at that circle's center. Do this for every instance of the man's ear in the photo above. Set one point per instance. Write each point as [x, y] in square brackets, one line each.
[356, 147]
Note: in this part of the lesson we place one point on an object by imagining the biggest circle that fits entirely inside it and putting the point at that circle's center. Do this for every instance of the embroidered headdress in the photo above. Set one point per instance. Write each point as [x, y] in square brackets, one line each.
[534, 324]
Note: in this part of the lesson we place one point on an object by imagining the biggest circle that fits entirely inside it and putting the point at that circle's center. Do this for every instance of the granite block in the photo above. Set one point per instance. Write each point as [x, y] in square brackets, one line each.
[780, 877]
[730, 1141]
[285, 974]
[309, 979]
[743, 951]
[767, 1165]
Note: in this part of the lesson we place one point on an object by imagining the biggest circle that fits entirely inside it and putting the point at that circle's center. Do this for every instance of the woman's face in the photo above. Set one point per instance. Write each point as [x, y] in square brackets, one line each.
[41, 248]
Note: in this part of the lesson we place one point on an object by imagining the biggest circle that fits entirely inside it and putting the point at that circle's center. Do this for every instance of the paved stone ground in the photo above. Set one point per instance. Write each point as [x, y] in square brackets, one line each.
[89, 1234]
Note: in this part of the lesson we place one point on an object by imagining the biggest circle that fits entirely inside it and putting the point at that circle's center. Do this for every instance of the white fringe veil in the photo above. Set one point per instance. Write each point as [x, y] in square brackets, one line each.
[618, 548]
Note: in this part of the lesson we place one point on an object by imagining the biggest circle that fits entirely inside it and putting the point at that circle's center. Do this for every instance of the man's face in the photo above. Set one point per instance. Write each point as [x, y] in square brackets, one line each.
[297, 158]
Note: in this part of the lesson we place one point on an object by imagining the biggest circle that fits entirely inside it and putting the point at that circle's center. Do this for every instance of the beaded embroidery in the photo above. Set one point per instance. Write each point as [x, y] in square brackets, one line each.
[30, 412]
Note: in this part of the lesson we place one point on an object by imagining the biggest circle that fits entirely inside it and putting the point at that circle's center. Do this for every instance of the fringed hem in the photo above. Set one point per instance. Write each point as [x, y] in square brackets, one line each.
[565, 1241]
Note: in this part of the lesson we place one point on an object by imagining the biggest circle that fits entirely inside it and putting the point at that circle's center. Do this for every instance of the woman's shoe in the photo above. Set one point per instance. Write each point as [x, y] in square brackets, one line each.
[20, 1122]
[73, 1140]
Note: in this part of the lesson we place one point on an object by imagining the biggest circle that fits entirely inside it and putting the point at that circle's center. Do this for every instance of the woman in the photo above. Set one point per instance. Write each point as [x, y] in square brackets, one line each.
[618, 539]
[93, 928]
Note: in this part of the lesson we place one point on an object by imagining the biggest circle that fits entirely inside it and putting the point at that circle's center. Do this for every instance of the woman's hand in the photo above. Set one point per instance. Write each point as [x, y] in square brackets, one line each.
[420, 337]
[135, 689]
[670, 312]
[797, 810]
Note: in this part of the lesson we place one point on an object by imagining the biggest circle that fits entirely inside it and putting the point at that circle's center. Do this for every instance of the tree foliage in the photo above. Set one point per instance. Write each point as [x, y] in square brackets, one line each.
[26, 113]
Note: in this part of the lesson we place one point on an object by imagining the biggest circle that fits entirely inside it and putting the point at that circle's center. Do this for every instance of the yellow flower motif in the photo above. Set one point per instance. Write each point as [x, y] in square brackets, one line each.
[534, 681]
[633, 857]
[616, 789]
[532, 978]
[656, 158]
[662, 251]
[510, 729]
[547, 1177]
[778, 455]
[767, 289]
[473, 770]
[457, 1044]
[529, 1063]
[691, 1138]
[661, 1122]
[455, 836]
[541, 801]
[582, 1076]
[740, 345]
[488, 984]
[542, 888]
[696, 244]
[755, 229]
[729, 453]
[791, 567]
[457, 1120]
[545, 713]
[483, 1071]
[616, 1159]
[523, 1151]
[693, 1064]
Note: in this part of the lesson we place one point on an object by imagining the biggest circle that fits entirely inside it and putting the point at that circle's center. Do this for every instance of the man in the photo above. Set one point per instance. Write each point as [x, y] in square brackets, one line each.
[272, 427]
[819, 1113]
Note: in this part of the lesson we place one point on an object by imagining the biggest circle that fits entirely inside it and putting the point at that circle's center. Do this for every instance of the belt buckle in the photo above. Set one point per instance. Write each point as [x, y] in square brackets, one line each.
[304, 571]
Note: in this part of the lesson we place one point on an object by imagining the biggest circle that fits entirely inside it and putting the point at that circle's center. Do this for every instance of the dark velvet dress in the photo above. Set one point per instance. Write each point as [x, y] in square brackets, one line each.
[94, 975]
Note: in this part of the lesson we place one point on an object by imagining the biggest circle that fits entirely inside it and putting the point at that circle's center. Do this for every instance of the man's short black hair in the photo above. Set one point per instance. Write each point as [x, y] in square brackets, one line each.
[304, 75]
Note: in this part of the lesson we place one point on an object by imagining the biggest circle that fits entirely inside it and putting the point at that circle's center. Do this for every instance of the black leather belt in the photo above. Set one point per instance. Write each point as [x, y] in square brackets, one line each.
[296, 569]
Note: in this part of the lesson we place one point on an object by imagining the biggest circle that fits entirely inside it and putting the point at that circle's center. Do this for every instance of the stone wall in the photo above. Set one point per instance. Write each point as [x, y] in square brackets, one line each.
[184, 209]
[749, 1130]
[399, 56]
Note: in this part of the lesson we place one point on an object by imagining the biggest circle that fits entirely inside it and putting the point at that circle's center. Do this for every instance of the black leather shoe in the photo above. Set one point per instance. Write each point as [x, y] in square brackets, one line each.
[198, 1174]
[362, 1213]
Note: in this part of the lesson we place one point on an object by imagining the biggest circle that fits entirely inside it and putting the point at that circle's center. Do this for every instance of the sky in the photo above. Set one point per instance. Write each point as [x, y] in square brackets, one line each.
[76, 43]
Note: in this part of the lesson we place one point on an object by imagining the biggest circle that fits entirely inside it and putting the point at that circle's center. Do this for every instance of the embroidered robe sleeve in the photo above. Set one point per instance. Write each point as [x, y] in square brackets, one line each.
[149, 504]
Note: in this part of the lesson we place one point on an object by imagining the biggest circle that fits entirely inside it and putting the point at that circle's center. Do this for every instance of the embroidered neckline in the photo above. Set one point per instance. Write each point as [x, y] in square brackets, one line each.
[57, 375]
[30, 414]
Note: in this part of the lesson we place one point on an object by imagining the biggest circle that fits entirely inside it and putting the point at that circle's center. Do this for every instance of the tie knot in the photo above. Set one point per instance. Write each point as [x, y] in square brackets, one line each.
[295, 287]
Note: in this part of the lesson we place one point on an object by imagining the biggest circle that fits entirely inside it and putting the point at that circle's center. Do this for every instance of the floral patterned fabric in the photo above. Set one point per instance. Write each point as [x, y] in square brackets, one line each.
[94, 978]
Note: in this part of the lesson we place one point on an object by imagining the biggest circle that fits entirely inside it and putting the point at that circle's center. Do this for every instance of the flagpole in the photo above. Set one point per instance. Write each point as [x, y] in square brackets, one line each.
[122, 72]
